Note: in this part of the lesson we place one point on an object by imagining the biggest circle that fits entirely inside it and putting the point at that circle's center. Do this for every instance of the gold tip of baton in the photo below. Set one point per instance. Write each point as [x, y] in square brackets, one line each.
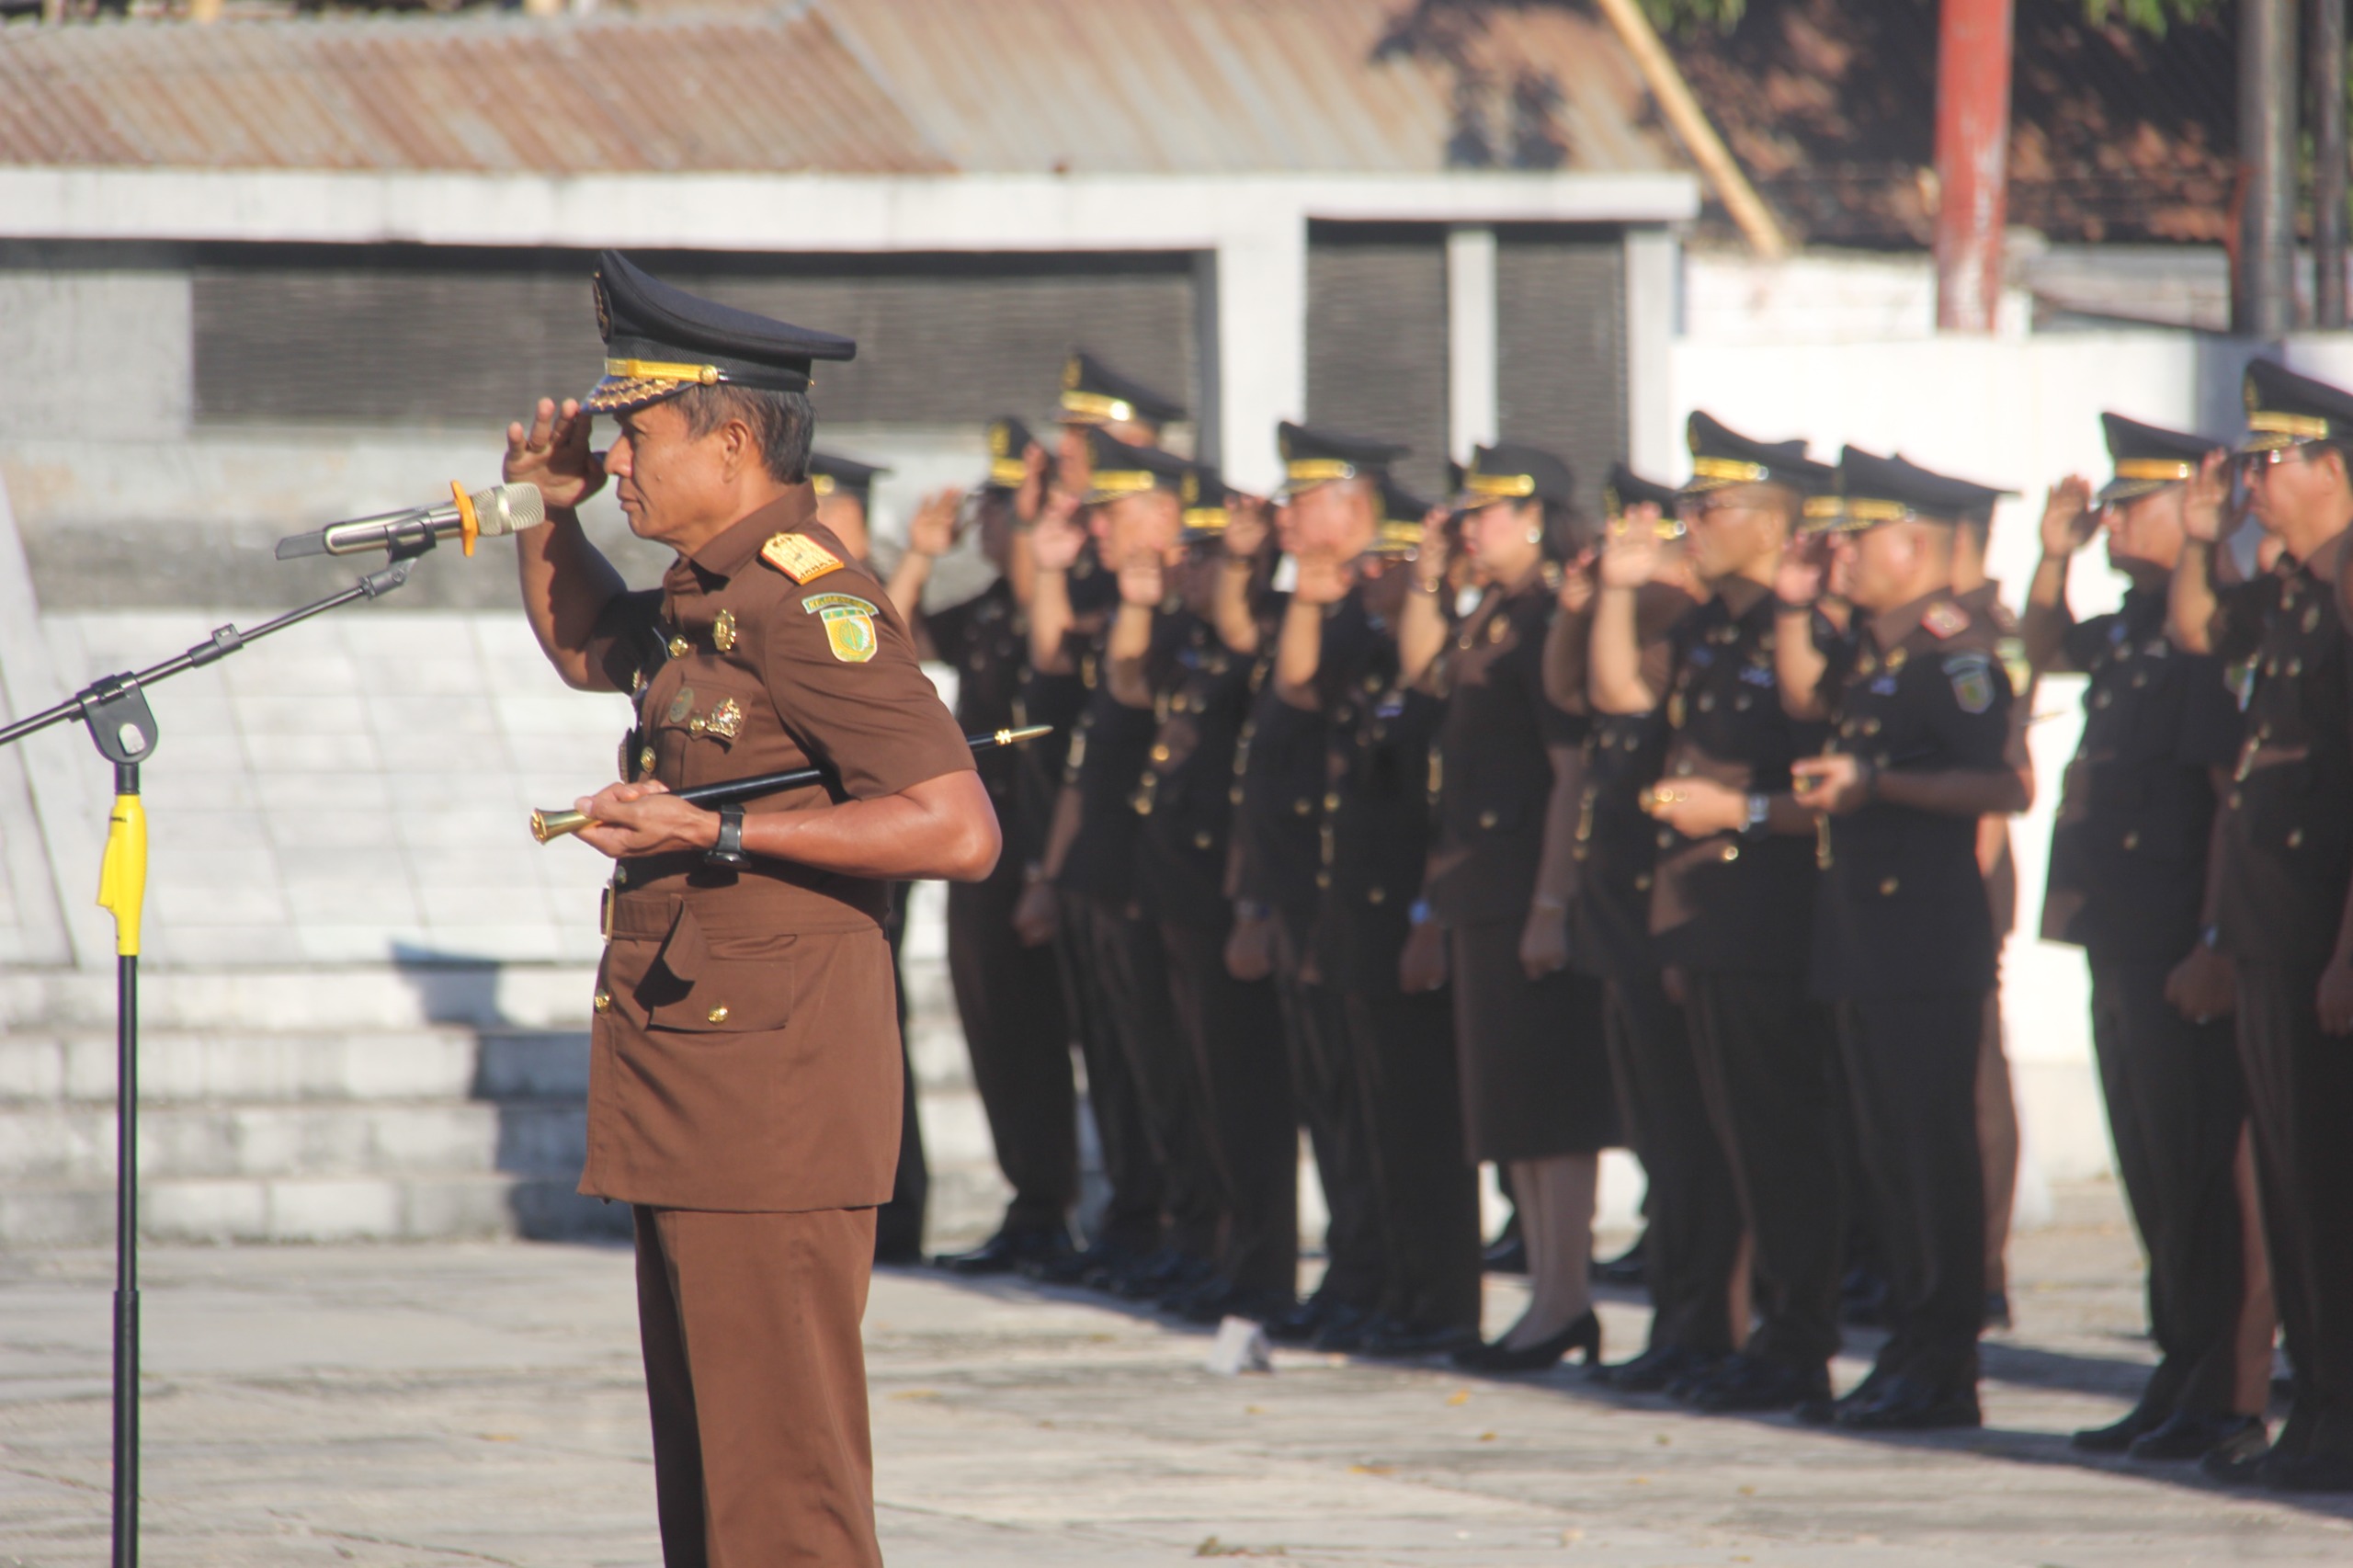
[1030, 732]
[546, 824]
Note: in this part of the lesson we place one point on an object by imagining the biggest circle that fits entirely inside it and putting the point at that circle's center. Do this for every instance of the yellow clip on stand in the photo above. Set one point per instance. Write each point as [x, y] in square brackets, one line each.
[122, 875]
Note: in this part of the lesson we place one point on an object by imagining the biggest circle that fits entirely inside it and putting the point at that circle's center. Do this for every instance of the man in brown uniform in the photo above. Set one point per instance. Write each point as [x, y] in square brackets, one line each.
[743, 1073]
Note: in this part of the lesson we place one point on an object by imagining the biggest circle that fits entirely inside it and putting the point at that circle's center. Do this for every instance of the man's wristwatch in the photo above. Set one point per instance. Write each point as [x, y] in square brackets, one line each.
[729, 850]
[1760, 808]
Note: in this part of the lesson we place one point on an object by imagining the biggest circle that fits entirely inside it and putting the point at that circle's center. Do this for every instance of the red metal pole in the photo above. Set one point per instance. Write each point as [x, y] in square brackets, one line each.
[1972, 160]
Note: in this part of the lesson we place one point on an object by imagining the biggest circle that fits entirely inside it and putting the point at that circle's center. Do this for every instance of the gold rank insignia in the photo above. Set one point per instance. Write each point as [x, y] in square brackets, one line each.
[850, 623]
[801, 558]
[726, 721]
[1945, 619]
[722, 631]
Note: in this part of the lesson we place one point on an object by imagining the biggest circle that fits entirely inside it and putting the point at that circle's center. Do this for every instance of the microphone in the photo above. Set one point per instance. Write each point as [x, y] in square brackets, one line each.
[501, 510]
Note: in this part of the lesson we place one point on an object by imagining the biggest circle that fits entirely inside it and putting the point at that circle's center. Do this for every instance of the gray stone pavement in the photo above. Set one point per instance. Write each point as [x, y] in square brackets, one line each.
[481, 1403]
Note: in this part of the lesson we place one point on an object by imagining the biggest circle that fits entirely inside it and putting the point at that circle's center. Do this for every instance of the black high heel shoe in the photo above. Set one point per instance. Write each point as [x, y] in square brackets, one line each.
[1582, 1334]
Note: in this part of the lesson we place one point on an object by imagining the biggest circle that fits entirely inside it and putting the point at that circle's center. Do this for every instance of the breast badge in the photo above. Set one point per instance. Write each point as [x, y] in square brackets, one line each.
[849, 625]
[722, 631]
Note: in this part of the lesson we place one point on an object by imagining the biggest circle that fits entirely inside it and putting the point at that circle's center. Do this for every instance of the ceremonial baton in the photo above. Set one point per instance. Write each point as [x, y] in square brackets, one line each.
[546, 824]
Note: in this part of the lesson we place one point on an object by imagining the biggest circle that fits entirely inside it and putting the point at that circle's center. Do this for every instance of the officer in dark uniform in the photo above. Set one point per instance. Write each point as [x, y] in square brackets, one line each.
[1691, 1245]
[1903, 937]
[1076, 595]
[845, 492]
[1008, 994]
[744, 1085]
[2128, 885]
[1173, 661]
[1735, 886]
[2286, 848]
[1281, 785]
[1382, 728]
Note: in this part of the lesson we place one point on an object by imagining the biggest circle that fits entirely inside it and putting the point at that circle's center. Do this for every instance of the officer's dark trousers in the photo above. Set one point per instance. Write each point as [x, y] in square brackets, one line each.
[1132, 1216]
[2299, 1098]
[1325, 1090]
[1765, 1055]
[1428, 1202]
[1691, 1245]
[898, 1224]
[1233, 1030]
[1912, 1069]
[2175, 1108]
[1010, 1000]
[1134, 969]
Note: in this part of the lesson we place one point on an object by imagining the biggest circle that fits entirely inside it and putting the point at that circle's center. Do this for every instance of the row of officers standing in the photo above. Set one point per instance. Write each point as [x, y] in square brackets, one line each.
[1491, 831]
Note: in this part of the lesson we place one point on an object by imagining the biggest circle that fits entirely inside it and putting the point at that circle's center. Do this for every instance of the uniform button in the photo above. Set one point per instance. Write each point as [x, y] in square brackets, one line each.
[1160, 754]
[1332, 802]
[680, 647]
[604, 1002]
[645, 760]
[1322, 879]
[1234, 795]
[1706, 702]
[1303, 806]
[2132, 841]
[1887, 888]
[1871, 726]
[2295, 838]
[1202, 839]
[1643, 882]
[718, 1014]
[1487, 819]
[1377, 895]
[1731, 853]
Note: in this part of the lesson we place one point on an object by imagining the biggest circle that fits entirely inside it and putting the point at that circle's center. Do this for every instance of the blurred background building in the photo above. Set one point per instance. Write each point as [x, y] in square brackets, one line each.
[263, 266]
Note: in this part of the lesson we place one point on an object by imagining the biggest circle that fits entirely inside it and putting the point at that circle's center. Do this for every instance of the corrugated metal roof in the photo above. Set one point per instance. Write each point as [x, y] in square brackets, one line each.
[853, 87]
[483, 94]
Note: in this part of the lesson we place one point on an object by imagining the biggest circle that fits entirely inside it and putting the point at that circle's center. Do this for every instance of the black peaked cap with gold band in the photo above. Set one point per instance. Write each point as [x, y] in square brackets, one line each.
[830, 474]
[2284, 409]
[1722, 456]
[2148, 459]
[660, 340]
[1401, 512]
[1509, 471]
[1875, 490]
[1312, 457]
[1094, 394]
[1625, 488]
[1122, 470]
[1203, 492]
[1009, 443]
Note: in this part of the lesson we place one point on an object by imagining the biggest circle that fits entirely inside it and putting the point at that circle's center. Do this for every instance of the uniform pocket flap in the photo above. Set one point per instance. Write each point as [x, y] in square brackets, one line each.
[733, 995]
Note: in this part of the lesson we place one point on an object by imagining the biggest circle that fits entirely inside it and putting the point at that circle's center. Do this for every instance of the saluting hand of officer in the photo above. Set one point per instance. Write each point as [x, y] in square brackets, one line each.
[645, 819]
[1143, 579]
[1577, 583]
[2205, 498]
[1246, 527]
[1803, 571]
[1029, 499]
[1325, 577]
[1630, 553]
[932, 530]
[1055, 542]
[2068, 519]
[553, 454]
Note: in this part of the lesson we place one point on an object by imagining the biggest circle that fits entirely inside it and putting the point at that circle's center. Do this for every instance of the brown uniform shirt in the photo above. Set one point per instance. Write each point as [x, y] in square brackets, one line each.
[744, 1051]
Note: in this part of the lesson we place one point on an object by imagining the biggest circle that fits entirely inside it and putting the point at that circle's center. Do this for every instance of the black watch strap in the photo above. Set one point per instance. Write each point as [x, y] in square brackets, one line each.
[729, 850]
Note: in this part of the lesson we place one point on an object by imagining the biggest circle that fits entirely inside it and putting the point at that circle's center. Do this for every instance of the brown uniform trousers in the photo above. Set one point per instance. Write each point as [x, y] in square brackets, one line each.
[745, 1089]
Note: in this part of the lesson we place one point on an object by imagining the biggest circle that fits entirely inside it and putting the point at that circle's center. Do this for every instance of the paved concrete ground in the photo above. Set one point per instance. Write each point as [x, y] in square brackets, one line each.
[453, 1404]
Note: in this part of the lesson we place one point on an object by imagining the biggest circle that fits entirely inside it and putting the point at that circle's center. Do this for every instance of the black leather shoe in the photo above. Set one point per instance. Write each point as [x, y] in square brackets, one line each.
[2120, 1435]
[1343, 1329]
[2186, 1435]
[1628, 1268]
[1298, 1326]
[1997, 1310]
[1654, 1369]
[1222, 1300]
[1392, 1340]
[1825, 1412]
[2235, 1464]
[1911, 1405]
[1006, 1251]
[1507, 1254]
[1584, 1332]
[1862, 1299]
[2306, 1473]
[1744, 1383]
[1163, 1271]
[1103, 1257]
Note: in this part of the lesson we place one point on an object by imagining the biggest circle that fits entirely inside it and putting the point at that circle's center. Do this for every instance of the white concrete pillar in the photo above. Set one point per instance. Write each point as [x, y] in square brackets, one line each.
[1469, 338]
[1654, 440]
[1261, 342]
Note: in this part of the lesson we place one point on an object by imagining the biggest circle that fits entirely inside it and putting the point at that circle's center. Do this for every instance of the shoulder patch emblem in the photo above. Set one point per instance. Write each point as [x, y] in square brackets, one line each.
[1945, 619]
[799, 557]
[850, 624]
[2011, 651]
[1973, 681]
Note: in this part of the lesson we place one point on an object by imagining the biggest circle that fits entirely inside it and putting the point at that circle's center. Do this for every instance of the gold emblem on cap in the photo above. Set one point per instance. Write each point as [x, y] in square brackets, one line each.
[2154, 468]
[1730, 470]
[1000, 439]
[664, 370]
[1500, 486]
[722, 631]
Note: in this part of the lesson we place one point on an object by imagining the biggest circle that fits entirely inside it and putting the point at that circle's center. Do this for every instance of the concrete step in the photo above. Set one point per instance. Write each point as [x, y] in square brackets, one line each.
[75, 1143]
[421, 1206]
[77, 1066]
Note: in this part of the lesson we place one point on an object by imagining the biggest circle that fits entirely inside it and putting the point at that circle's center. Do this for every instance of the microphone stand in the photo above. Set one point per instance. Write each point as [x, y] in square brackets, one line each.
[123, 728]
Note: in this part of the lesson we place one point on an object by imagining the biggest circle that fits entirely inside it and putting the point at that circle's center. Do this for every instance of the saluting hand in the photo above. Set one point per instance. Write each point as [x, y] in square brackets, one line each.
[1246, 527]
[2206, 497]
[645, 819]
[1576, 583]
[553, 455]
[1143, 579]
[1430, 560]
[1797, 580]
[1630, 553]
[1031, 497]
[2068, 520]
[1055, 542]
[1324, 578]
[932, 530]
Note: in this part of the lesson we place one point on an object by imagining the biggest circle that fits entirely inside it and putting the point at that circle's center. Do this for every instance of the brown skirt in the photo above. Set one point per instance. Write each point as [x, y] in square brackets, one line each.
[1535, 1069]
